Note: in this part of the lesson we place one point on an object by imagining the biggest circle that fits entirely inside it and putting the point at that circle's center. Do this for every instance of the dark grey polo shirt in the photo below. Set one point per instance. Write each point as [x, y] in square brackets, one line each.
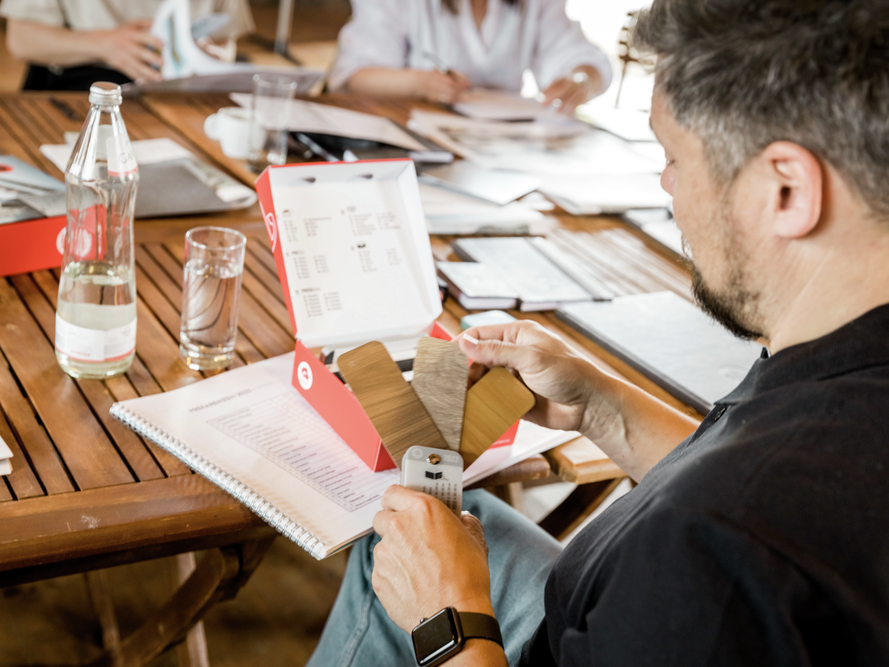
[762, 539]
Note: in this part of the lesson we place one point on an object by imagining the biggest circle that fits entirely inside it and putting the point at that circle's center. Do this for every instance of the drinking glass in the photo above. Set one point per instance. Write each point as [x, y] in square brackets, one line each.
[272, 95]
[211, 288]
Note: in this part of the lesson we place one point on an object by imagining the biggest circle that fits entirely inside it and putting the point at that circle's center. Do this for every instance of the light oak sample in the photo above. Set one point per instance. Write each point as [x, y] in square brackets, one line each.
[390, 403]
[441, 373]
[493, 404]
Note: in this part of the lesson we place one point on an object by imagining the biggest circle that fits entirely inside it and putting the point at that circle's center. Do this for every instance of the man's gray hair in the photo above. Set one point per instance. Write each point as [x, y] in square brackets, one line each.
[742, 74]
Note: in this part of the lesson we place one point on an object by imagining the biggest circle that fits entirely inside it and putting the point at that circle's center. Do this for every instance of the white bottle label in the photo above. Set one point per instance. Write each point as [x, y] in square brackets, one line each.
[119, 152]
[92, 344]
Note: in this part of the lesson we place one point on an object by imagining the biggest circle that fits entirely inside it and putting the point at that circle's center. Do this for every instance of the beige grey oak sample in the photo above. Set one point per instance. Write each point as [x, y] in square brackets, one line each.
[390, 403]
[493, 404]
[441, 374]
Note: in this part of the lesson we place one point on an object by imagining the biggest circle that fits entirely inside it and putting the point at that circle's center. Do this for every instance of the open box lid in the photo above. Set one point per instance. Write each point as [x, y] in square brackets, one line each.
[352, 250]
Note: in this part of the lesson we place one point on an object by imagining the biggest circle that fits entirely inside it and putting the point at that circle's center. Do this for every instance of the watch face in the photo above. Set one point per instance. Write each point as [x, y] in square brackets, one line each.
[435, 637]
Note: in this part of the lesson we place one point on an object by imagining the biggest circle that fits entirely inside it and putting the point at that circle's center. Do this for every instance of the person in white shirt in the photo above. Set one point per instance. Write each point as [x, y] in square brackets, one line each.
[436, 49]
[69, 44]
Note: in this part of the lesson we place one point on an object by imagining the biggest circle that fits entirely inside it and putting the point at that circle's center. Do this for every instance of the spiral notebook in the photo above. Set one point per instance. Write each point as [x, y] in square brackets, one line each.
[251, 433]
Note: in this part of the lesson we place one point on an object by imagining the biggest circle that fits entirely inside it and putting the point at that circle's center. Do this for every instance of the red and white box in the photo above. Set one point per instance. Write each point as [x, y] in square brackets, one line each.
[32, 245]
[355, 263]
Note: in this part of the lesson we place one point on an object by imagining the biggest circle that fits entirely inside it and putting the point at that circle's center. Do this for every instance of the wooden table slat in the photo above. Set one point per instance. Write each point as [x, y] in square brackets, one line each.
[85, 447]
[160, 353]
[122, 390]
[5, 493]
[45, 460]
[22, 479]
[260, 250]
[267, 279]
[30, 146]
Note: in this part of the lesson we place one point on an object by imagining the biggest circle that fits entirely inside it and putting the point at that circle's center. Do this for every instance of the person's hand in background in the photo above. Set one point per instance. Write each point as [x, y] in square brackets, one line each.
[569, 92]
[436, 86]
[131, 50]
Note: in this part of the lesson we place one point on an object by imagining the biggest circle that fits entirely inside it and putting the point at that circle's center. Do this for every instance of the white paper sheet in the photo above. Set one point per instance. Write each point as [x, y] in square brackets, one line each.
[449, 212]
[328, 119]
[147, 151]
[538, 147]
[596, 194]
[485, 104]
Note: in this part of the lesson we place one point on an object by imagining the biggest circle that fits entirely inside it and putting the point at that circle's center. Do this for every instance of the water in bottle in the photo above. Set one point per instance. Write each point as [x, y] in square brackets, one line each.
[96, 314]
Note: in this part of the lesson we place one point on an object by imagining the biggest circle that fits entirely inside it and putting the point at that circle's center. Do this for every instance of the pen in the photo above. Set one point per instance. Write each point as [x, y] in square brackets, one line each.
[440, 65]
[65, 108]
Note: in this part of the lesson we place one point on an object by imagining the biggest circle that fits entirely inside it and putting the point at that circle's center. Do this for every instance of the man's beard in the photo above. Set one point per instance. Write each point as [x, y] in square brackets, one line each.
[735, 306]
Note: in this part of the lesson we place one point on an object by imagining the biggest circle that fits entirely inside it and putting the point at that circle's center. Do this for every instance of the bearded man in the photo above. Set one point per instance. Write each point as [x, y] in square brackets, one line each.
[758, 537]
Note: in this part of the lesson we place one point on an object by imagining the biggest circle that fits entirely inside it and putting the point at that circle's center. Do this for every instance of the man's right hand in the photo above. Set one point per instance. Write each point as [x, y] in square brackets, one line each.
[131, 50]
[563, 381]
[635, 429]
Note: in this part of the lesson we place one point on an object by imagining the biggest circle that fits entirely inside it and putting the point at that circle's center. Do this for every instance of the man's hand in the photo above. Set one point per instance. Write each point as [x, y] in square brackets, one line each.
[562, 380]
[569, 92]
[131, 50]
[436, 86]
[428, 559]
[635, 429]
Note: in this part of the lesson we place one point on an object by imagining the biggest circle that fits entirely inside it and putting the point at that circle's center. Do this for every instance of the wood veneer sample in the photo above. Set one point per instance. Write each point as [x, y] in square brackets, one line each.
[441, 373]
[493, 404]
[390, 403]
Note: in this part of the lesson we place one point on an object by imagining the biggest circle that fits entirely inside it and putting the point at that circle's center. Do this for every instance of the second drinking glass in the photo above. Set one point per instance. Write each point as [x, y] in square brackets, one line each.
[272, 95]
[211, 289]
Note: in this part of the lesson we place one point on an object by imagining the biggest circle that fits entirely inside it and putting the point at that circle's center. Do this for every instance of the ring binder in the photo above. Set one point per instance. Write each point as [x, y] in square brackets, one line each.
[259, 505]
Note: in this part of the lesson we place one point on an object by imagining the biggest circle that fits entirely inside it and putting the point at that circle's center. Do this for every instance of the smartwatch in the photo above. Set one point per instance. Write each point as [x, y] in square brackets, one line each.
[442, 636]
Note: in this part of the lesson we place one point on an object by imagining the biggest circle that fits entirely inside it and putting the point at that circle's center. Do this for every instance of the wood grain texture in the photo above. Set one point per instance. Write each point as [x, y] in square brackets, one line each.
[493, 404]
[582, 462]
[441, 374]
[390, 403]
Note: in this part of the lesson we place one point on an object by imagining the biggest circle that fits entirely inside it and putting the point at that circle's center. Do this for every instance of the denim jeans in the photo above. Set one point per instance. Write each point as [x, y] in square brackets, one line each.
[359, 632]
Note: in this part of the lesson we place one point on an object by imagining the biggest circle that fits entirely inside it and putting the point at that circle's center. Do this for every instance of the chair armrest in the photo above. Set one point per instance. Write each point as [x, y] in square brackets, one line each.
[581, 461]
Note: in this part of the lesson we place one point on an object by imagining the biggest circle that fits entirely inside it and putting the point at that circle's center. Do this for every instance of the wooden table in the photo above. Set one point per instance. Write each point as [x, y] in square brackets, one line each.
[88, 493]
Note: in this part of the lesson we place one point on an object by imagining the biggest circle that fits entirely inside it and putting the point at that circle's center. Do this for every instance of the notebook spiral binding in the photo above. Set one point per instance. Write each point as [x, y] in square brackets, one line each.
[225, 481]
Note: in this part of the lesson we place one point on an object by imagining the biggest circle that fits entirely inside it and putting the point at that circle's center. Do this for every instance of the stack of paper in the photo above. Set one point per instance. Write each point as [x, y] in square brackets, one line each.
[541, 147]
[5, 455]
[449, 212]
[477, 286]
[595, 195]
[22, 188]
[540, 284]
[327, 119]
[486, 104]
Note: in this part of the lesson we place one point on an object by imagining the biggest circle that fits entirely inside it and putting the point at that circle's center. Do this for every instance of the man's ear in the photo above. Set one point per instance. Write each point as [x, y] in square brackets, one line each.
[795, 189]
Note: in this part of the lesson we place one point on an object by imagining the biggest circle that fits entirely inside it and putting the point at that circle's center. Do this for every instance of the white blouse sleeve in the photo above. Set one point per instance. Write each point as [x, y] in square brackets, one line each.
[377, 36]
[562, 46]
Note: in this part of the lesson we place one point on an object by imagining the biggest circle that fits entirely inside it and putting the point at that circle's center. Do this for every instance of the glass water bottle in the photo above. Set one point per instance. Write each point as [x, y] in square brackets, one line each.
[96, 313]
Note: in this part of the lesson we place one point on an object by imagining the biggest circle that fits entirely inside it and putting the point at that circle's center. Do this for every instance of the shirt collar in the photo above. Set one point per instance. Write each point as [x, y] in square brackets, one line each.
[862, 343]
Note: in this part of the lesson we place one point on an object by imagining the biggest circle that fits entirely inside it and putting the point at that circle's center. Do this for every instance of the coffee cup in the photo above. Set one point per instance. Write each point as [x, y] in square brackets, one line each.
[237, 133]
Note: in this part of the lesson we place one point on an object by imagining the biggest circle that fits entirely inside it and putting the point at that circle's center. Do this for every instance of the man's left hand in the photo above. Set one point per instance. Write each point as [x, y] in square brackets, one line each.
[428, 559]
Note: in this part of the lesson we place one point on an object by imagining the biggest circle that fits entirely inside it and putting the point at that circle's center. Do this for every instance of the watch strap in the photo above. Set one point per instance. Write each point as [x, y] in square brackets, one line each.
[480, 626]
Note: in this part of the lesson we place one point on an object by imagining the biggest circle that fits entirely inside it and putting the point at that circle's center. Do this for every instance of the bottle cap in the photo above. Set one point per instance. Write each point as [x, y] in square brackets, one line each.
[105, 93]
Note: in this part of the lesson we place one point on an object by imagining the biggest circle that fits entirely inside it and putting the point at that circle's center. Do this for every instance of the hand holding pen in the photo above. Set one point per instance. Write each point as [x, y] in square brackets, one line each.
[443, 84]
